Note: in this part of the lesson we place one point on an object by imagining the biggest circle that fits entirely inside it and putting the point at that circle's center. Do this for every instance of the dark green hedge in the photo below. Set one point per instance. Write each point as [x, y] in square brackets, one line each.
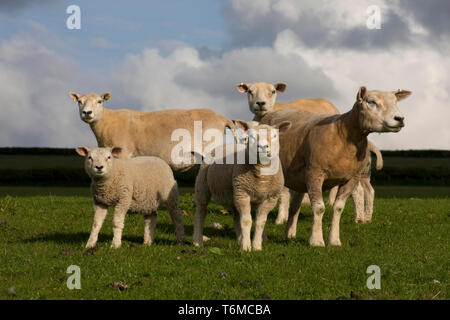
[44, 177]
[411, 176]
[78, 177]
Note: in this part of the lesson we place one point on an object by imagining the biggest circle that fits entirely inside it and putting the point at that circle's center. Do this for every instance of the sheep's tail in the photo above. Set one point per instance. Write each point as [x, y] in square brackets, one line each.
[374, 149]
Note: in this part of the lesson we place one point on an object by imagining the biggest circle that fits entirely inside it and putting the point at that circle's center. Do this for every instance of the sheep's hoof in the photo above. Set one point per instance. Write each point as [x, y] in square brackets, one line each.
[90, 245]
[115, 245]
[246, 248]
[291, 234]
[359, 220]
[335, 243]
[316, 242]
[280, 221]
[257, 248]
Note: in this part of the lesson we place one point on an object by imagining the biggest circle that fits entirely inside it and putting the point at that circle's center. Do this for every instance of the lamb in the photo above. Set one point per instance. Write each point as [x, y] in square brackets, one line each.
[325, 151]
[139, 185]
[261, 99]
[145, 133]
[244, 184]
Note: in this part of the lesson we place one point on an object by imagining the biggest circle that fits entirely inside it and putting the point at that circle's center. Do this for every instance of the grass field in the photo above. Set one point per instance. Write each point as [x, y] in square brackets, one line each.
[42, 235]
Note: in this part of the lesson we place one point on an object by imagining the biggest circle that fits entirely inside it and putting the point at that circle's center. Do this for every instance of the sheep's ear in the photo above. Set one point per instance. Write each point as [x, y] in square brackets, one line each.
[280, 87]
[75, 96]
[106, 96]
[242, 87]
[116, 151]
[401, 94]
[284, 126]
[241, 124]
[82, 151]
[362, 92]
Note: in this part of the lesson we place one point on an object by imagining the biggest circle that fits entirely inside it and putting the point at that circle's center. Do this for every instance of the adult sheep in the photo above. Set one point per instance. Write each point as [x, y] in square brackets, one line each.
[145, 133]
[262, 100]
[322, 151]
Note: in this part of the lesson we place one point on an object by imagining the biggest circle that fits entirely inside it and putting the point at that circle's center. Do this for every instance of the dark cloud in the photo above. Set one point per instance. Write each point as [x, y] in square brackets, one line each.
[433, 15]
[315, 30]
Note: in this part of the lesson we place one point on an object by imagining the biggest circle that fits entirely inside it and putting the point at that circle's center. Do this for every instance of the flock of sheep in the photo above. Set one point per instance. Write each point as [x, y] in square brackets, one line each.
[313, 147]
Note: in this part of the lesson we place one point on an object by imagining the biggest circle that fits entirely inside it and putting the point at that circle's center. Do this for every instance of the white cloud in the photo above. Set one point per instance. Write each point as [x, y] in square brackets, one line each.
[35, 80]
[35, 107]
[420, 69]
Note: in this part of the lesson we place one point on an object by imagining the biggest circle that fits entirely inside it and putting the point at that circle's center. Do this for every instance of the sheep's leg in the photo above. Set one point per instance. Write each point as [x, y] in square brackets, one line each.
[294, 211]
[237, 226]
[100, 212]
[332, 195]
[175, 213]
[283, 207]
[358, 200]
[260, 221]
[120, 212]
[242, 204]
[369, 195]
[318, 208]
[149, 229]
[202, 198]
[342, 195]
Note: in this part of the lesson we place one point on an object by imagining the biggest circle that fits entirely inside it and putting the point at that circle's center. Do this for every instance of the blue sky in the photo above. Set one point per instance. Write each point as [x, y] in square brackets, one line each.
[124, 28]
[156, 55]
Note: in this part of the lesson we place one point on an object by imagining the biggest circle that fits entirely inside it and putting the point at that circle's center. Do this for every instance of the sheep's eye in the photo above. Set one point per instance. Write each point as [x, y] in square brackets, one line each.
[273, 92]
[90, 158]
[109, 157]
[99, 101]
[250, 92]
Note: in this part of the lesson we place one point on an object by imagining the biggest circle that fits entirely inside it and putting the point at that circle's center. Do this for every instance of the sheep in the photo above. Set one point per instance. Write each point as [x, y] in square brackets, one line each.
[139, 184]
[262, 96]
[240, 185]
[261, 99]
[145, 133]
[365, 194]
[325, 151]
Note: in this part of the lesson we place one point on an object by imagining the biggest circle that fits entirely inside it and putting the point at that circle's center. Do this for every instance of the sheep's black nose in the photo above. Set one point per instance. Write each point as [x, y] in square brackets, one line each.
[87, 112]
[261, 103]
[99, 167]
[399, 119]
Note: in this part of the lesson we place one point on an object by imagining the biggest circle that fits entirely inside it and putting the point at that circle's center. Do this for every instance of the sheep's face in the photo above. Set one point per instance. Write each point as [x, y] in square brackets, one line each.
[261, 96]
[91, 105]
[98, 161]
[262, 141]
[379, 111]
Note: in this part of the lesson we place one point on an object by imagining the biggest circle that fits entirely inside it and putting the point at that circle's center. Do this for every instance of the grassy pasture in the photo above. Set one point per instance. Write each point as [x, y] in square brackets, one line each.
[40, 236]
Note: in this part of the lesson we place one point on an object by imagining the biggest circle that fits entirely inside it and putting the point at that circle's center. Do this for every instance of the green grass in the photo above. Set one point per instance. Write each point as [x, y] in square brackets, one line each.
[44, 235]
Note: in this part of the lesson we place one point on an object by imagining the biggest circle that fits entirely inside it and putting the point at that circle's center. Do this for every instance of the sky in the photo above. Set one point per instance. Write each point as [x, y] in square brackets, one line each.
[154, 55]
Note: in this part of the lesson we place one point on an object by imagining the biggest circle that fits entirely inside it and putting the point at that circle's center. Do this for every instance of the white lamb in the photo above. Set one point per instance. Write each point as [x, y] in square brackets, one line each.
[138, 184]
